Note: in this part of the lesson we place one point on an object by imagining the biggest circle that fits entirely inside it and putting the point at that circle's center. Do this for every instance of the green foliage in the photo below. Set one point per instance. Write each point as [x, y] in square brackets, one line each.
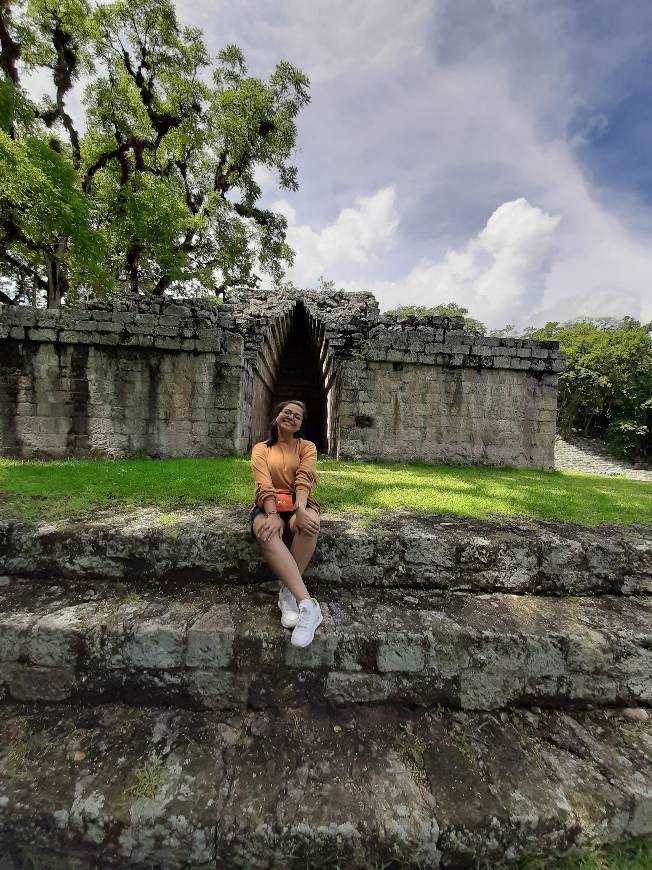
[148, 779]
[40, 197]
[451, 309]
[635, 854]
[160, 186]
[606, 389]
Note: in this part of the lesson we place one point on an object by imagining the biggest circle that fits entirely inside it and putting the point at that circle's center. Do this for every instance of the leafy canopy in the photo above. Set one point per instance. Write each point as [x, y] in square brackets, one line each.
[158, 182]
[606, 388]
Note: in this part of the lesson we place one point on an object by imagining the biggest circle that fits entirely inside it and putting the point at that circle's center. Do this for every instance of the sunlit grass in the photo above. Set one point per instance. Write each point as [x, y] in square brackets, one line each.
[78, 488]
[633, 855]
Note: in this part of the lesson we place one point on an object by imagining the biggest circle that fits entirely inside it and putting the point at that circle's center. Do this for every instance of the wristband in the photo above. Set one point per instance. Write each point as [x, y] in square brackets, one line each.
[271, 513]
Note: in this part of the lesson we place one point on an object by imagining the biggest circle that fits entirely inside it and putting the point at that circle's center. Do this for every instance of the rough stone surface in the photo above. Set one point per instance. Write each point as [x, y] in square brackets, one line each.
[191, 378]
[400, 550]
[118, 787]
[207, 647]
[590, 456]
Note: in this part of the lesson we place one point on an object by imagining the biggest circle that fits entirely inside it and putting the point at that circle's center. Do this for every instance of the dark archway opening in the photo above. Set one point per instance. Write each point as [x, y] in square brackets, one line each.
[300, 377]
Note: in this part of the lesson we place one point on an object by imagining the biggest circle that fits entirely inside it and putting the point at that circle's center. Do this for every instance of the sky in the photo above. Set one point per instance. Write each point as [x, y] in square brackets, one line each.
[494, 153]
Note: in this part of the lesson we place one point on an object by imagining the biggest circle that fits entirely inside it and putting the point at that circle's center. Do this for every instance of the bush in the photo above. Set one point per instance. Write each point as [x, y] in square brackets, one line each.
[606, 389]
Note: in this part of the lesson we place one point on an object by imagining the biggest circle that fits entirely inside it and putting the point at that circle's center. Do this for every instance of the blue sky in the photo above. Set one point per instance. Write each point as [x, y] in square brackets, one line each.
[491, 152]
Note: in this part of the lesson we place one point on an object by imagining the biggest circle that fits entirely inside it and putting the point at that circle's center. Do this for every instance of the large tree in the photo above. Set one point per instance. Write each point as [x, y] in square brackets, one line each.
[606, 387]
[155, 187]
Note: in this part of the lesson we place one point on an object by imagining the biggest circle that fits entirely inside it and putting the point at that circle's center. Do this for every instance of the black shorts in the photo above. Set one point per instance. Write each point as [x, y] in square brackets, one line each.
[253, 513]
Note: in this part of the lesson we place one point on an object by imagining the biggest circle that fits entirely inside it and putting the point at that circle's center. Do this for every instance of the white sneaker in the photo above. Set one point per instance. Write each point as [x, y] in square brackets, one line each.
[289, 608]
[310, 619]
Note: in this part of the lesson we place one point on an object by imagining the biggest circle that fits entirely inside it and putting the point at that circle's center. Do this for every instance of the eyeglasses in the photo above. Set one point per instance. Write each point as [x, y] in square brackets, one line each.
[297, 417]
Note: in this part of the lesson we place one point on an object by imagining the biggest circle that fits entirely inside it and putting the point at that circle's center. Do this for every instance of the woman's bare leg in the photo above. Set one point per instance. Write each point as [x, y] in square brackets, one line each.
[303, 544]
[281, 561]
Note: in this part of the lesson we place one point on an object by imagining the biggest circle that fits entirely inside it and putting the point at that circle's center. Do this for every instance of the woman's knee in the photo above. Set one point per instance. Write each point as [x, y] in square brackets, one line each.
[257, 525]
[274, 544]
[312, 533]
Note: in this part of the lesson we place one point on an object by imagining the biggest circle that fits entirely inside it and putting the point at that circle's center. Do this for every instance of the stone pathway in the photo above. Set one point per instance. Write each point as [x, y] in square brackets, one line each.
[308, 787]
[590, 456]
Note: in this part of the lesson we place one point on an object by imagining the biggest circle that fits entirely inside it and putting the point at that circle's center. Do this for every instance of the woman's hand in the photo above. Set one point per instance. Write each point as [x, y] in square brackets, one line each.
[305, 521]
[270, 526]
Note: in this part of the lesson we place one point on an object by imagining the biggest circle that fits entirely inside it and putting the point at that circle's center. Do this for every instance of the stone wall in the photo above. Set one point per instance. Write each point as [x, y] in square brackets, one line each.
[408, 388]
[177, 378]
[114, 380]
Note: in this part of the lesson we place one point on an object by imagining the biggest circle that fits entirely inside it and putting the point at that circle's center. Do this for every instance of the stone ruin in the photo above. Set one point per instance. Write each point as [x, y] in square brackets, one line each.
[478, 692]
[194, 378]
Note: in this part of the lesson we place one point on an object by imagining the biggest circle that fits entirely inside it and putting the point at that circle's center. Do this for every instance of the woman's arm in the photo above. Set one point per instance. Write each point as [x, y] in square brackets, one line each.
[306, 474]
[305, 479]
[264, 488]
[264, 494]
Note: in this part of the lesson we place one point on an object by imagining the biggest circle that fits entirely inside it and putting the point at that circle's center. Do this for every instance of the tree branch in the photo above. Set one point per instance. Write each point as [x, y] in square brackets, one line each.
[194, 202]
[162, 122]
[24, 268]
[101, 162]
[10, 50]
[263, 217]
[63, 73]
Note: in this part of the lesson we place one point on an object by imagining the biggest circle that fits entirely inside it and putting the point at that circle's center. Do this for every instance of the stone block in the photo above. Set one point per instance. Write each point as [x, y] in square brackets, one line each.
[400, 652]
[52, 638]
[218, 689]
[26, 683]
[344, 687]
[36, 334]
[321, 652]
[157, 642]
[17, 333]
[210, 639]
[107, 338]
[167, 343]
[108, 326]
[14, 628]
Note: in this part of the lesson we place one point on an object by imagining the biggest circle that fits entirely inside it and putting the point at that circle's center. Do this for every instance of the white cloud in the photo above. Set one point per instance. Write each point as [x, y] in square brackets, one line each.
[328, 39]
[521, 269]
[356, 236]
[492, 274]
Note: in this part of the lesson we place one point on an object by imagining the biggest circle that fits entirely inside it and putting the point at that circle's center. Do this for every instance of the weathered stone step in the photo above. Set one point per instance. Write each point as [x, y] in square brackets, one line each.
[209, 647]
[316, 787]
[397, 550]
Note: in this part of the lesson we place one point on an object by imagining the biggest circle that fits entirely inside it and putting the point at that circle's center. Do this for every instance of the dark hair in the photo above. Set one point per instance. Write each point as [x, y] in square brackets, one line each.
[273, 430]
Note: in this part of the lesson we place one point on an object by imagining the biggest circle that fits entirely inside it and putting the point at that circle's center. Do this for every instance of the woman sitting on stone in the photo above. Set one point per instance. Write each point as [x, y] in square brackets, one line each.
[284, 470]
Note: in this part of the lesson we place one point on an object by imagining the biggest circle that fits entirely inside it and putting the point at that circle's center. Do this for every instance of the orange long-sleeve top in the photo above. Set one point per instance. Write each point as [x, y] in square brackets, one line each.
[284, 468]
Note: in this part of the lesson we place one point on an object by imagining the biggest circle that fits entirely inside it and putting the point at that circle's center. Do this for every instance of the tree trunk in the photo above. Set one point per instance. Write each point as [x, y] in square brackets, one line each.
[133, 255]
[56, 274]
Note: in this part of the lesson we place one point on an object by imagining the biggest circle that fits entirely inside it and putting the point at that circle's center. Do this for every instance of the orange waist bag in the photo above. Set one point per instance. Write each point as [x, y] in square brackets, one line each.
[284, 501]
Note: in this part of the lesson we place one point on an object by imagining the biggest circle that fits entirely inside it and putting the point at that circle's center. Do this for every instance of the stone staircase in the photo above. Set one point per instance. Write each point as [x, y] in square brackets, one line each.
[477, 692]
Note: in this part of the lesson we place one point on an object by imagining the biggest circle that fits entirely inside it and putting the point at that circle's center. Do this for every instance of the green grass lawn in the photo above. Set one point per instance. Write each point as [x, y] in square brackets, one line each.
[76, 488]
[633, 855]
